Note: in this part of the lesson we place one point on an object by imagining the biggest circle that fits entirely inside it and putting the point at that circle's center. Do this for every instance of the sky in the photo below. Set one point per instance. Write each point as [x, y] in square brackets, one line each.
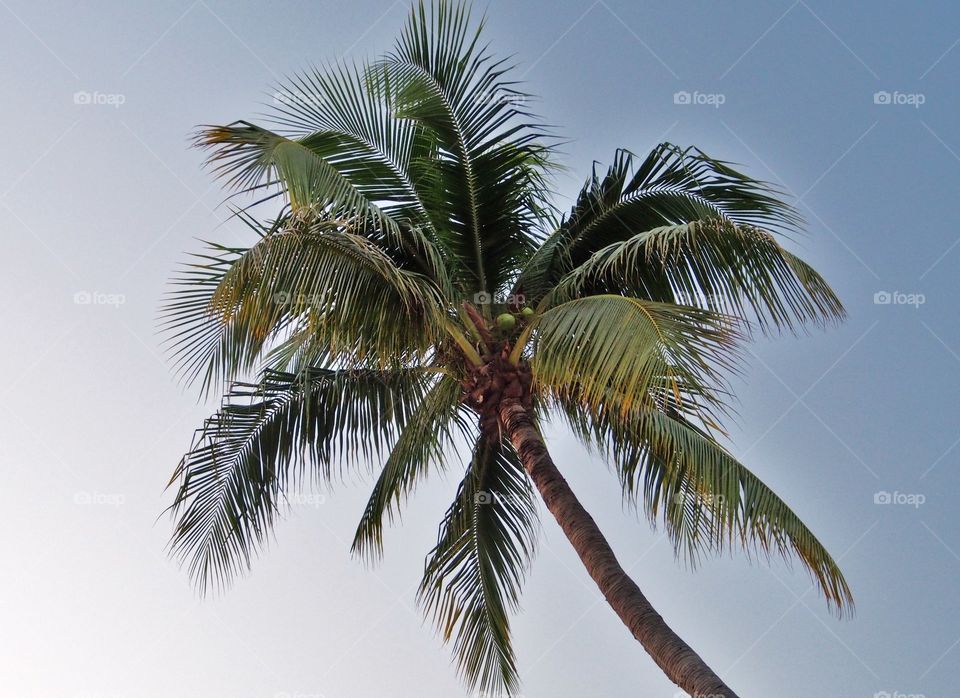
[849, 107]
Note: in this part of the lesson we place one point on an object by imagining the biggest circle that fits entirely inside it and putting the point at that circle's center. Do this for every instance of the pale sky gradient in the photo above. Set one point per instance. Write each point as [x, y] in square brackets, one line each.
[105, 198]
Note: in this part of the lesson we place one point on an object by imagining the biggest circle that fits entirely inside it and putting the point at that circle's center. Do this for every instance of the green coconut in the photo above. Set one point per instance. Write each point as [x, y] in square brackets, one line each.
[527, 311]
[506, 321]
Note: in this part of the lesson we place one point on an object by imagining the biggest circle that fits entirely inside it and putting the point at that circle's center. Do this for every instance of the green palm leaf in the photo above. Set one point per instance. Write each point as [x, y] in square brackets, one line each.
[670, 187]
[341, 148]
[486, 179]
[251, 157]
[425, 439]
[707, 498]
[319, 281]
[340, 120]
[731, 268]
[199, 343]
[587, 347]
[256, 448]
[472, 577]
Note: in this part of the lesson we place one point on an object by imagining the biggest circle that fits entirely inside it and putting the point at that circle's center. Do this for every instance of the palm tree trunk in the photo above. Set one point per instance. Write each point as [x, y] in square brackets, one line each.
[679, 662]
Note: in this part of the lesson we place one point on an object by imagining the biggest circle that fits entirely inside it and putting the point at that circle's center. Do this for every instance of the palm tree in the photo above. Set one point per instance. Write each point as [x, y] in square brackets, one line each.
[413, 290]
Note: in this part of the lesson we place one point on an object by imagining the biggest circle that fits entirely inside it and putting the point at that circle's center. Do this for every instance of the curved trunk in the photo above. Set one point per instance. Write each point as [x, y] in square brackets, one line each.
[679, 662]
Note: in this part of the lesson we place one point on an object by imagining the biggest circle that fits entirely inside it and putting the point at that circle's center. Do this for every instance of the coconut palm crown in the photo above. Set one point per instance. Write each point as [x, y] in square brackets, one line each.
[413, 290]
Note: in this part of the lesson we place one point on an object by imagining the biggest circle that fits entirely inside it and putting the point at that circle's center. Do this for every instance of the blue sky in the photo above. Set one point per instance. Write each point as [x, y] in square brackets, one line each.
[851, 108]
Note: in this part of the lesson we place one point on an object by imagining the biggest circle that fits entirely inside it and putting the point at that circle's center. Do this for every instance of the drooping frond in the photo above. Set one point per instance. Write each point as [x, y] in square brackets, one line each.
[587, 348]
[671, 186]
[250, 158]
[732, 268]
[671, 174]
[341, 150]
[706, 497]
[319, 281]
[341, 121]
[355, 297]
[200, 345]
[485, 182]
[424, 441]
[472, 577]
[257, 447]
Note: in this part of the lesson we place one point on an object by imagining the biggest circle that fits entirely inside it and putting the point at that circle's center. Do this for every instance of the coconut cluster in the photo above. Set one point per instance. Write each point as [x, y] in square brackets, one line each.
[494, 381]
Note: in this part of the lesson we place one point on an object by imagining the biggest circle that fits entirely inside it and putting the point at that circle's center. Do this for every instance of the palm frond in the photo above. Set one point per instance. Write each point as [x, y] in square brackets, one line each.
[319, 282]
[587, 347]
[485, 180]
[708, 500]
[199, 343]
[472, 577]
[251, 158]
[670, 187]
[735, 269]
[333, 174]
[256, 448]
[425, 439]
[335, 115]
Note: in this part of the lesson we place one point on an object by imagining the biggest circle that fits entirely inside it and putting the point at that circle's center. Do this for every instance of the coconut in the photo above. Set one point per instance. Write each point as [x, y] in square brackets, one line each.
[506, 321]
